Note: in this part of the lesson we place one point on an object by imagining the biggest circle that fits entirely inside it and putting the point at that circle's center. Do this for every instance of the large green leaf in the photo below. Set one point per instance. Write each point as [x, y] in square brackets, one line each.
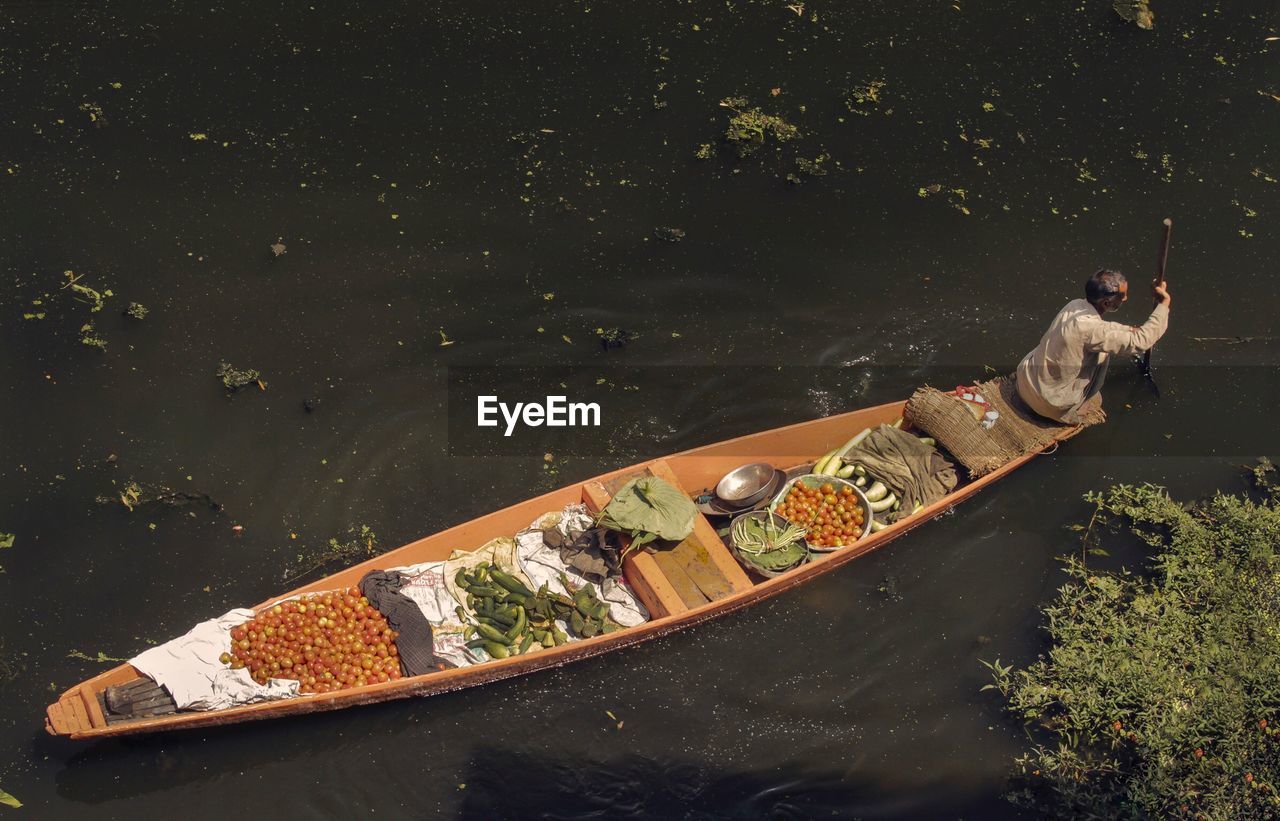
[650, 508]
[778, 559]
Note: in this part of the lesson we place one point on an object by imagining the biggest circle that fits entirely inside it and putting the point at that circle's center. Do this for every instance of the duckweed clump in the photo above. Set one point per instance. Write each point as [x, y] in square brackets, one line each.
[233, 379]
[861, 99]
[750, 127]
[1159, 695]
[88, 336]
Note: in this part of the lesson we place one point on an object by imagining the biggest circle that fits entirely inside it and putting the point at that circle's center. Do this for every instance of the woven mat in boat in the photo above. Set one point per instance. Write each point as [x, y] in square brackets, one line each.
[1017, 432]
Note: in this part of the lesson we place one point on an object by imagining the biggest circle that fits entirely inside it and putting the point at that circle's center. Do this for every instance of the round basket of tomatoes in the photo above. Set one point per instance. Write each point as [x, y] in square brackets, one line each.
[833, 512]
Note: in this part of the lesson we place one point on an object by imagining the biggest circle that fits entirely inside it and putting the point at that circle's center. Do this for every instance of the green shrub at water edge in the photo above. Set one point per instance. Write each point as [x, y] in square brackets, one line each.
[1159, 695]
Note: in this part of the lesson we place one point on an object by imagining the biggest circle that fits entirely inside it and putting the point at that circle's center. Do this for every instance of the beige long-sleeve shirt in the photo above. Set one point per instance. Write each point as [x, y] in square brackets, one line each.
[1069, 365]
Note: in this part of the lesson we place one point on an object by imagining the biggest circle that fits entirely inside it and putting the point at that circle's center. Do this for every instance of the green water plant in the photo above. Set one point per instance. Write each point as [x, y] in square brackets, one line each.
[1159, 693]
[233, 379]
[88, 336]
[863, 98]
[100, 658]
[91, 296]
[136, 494]
[749, 127]
[360, 543]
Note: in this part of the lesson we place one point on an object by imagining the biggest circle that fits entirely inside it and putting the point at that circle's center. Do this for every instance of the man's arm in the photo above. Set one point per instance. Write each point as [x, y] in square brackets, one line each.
[1118, 338]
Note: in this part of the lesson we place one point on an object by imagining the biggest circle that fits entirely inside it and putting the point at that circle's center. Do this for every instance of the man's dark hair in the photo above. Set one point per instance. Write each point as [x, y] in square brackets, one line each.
[1103, 284]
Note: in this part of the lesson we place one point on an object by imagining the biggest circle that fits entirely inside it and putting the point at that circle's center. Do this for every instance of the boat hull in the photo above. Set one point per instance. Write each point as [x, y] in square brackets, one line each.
[78, 713]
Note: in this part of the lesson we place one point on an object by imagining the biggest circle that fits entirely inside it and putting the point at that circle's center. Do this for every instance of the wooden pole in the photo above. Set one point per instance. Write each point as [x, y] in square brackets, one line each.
[1161, 261]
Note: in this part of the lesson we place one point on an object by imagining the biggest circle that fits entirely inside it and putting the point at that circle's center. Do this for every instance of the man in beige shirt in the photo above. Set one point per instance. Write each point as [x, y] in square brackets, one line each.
[1067, 368]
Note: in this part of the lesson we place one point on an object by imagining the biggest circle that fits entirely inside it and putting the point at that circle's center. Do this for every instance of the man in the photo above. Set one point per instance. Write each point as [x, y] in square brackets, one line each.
[1066, 369]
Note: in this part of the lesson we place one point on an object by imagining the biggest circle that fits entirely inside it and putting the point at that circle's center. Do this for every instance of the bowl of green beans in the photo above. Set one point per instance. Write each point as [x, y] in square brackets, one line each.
[766, 543]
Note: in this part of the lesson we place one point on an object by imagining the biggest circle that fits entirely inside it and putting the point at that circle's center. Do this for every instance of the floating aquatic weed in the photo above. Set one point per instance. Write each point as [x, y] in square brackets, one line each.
[750, 127]
[136, 310]
[817, 167]
[88, 337]
[135, 494]
[955, 196]
[100, 658]
[860, 99]
[95, 113]
[615, 338]
[361, 543]
[236, 378]
[92, 297]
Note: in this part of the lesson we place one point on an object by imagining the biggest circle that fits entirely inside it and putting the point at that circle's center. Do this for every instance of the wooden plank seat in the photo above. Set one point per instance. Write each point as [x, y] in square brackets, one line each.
[673, 578]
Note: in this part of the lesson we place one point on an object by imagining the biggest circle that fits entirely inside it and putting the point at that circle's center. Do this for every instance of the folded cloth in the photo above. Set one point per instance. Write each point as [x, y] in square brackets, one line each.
[424, 586]
[595, 553]
[415, 642]
[915, 471]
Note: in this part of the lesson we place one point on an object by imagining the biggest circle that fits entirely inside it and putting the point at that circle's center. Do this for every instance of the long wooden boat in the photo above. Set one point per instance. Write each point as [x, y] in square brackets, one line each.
[691, 583]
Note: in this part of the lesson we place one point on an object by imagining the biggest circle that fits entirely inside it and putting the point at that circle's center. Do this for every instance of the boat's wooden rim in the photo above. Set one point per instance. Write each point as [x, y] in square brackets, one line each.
[78, 713]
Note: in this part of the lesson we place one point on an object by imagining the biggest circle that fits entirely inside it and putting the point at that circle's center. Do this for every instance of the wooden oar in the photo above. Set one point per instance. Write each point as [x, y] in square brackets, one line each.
[1144, 363]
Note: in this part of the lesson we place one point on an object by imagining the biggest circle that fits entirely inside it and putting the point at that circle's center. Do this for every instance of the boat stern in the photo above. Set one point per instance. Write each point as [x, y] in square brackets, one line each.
[68, 716]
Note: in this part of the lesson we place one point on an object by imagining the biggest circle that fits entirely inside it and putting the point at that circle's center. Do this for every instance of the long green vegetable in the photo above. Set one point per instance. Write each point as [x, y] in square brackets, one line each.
[820, 467]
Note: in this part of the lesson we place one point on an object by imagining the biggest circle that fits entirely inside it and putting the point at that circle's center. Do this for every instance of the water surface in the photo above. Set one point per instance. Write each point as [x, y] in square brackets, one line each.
[496, 171]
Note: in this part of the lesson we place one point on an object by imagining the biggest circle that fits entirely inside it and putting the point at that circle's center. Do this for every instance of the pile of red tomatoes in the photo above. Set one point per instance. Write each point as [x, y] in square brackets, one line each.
[325, 641]
[831, 516]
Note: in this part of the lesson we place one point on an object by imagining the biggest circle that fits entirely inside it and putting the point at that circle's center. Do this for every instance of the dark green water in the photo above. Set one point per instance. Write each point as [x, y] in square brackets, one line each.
[446, 168]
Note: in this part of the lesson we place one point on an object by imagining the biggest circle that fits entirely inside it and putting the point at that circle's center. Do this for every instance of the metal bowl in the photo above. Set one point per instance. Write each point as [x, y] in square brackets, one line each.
[815, 480]
[745, 485]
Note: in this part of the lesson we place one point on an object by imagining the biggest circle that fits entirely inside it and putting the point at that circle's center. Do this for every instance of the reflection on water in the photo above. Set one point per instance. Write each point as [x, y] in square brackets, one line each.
[505, 784]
